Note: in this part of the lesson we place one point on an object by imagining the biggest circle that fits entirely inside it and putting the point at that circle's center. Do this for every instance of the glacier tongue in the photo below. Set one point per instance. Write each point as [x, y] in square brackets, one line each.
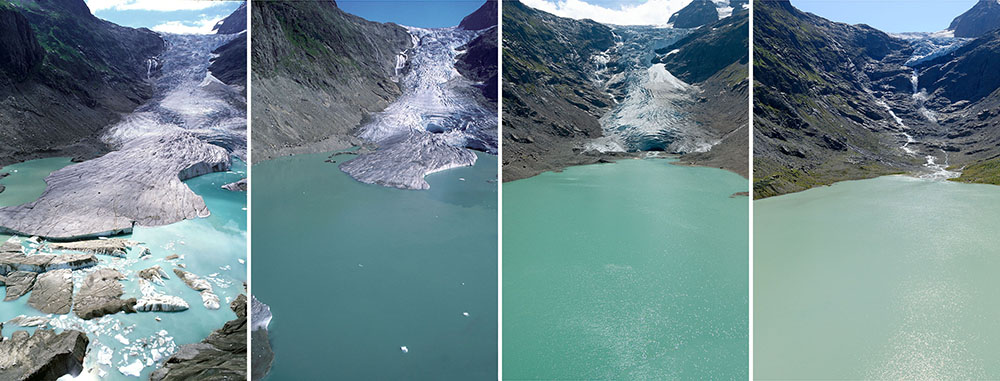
[430, 127]
[652, 116]
[190, 127]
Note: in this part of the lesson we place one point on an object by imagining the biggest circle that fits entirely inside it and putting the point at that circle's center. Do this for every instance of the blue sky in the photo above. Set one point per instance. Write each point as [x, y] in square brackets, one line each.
[894, 16]
[620, 12]
[418, 13]
[172, 16]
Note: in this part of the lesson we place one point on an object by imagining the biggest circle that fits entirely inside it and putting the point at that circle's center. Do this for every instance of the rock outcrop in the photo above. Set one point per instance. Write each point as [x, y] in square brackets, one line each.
[19, 49]
[235, 23]
[221, 356]
[875, 105]
[42, 356]
[317, 72]
[479, 61]
[482, 18]
[817, 116]
[86, 72]
[984, 17]
[695, 14]
[100, 294]
[138, 185]
[715, 58]
[53, 292]
[552, 89]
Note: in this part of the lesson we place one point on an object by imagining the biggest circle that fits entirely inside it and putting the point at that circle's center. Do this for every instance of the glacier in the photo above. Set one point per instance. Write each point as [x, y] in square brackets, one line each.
[436, 122]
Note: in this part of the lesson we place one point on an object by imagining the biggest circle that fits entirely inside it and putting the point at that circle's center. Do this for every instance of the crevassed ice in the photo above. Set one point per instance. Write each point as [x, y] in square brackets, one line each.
[651, 117]
[435, 121]
[187, 97]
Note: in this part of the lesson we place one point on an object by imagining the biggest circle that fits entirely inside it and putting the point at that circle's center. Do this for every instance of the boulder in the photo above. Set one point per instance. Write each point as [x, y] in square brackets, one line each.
[221, 356]
[42, 356]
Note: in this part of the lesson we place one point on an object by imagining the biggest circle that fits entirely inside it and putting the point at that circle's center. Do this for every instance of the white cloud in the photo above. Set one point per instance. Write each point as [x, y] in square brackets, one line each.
[651, 12]
[203, 26]
[152, 5]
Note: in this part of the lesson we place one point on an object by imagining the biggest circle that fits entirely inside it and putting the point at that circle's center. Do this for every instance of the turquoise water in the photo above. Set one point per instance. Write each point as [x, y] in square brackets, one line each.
[213, 245]
[633, 270]
[26, 181]
[888, 278]
[354, 271]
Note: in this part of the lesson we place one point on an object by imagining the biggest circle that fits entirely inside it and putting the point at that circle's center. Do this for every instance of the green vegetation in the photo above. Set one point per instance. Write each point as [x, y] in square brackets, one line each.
[984, 172]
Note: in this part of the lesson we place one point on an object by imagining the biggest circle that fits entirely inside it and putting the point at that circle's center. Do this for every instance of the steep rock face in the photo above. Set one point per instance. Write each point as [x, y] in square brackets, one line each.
[479, 63]
[963, 94]
[552, 89]
[982, 18]
[967, 74]
[230, 66]
[18, 49]
[42, 356]
[705, 52]
[90, 72]
[817, 101]
[716, 59]
[317, 72]
[235, 23]
[221, 356]
[695, 14]
[482, 18]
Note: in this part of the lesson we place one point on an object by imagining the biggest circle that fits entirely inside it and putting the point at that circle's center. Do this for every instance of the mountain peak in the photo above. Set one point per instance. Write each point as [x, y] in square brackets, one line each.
[482, 18]
[982, 18]
[695, 14]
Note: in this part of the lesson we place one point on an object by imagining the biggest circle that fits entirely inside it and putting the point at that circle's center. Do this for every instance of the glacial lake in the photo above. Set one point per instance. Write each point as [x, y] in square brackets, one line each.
[632, 270]
[26, 181]
[212, 248]
[888, 278]
[353, 272]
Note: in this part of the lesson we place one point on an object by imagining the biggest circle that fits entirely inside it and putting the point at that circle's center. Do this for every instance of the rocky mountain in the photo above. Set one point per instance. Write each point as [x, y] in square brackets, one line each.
[982, 18]
[837, 102]
[552, 99]
[716, 59]
[317, 73]
[482, 18]
[479, 61]
[817, 118]
[235, 23]
[67, 75]
[963, 93]
[230, 66]
[695, 14]
[579, 92]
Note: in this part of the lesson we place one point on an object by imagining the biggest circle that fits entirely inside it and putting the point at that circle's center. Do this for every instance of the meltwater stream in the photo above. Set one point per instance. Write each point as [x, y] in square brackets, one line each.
[652, 116]
[926, 46]
[434, 124]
